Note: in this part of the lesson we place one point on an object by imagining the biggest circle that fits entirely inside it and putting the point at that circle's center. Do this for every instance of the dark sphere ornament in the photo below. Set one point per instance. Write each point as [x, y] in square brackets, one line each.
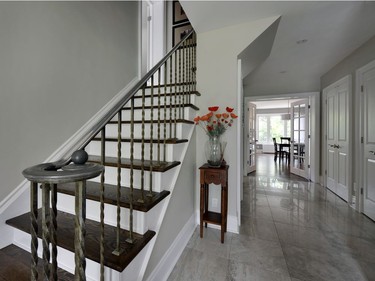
[79, 157]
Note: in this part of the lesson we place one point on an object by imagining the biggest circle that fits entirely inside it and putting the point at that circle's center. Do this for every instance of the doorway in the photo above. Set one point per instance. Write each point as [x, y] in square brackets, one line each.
[271, 108]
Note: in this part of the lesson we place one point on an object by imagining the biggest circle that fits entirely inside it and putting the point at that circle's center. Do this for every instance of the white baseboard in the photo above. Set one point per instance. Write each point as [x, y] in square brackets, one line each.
[171, 256]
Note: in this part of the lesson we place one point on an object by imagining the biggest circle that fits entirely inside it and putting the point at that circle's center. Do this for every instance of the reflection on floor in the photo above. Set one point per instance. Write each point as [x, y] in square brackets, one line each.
[291, 230]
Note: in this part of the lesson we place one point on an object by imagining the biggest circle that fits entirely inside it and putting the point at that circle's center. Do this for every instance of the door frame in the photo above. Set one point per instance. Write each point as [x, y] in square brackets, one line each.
[314, 102]
[359, 99]
[348, 79]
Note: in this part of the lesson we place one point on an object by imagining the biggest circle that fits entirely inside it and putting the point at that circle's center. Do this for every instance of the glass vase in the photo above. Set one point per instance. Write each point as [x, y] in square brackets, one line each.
[214, 151]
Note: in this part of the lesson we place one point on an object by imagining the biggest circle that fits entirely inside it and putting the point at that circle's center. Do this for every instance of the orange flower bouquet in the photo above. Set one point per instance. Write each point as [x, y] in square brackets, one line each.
[215, 124]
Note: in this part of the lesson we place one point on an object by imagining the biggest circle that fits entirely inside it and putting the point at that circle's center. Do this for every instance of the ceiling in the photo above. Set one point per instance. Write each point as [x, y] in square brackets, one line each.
[333, 30]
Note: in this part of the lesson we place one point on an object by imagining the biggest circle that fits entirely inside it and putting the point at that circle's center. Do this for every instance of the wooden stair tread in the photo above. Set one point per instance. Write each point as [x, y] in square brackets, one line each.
[65, 238]
[15, 266]
[155, 121]
[137, 163]
[139, 96]
[155, 106]
[168, 85]
[137, 140]
[110, 195]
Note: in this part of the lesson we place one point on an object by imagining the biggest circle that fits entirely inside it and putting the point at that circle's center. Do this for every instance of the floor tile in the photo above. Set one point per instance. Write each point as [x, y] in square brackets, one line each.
[291, 230]
[259, 253]
[239, 271]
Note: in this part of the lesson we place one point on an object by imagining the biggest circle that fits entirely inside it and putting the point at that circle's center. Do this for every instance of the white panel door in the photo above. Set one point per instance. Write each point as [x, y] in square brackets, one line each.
[251, 150]
[299, 159]
[337, 142]
[368, 89]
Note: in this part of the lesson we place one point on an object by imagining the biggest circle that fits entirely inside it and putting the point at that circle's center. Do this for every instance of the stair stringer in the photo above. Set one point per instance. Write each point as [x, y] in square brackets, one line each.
[159, 220]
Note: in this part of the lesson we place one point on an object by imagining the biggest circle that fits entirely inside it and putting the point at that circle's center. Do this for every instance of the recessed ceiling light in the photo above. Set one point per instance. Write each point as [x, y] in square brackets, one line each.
[302, 41]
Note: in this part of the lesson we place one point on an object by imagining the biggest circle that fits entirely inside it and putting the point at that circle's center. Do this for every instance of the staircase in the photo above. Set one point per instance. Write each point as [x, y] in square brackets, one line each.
[140, 143]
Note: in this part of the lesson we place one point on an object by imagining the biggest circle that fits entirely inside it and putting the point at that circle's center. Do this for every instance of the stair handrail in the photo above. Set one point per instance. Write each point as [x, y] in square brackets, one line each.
[117, 107]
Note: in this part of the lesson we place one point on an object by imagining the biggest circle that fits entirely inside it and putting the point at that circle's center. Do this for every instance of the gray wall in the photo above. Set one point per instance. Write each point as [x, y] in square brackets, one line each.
[360, 57]
[180, 208]
[60, 62]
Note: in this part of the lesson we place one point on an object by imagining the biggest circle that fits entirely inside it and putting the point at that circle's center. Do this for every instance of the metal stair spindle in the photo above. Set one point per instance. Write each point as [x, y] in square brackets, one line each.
[170, 95]
[53, 231]
[189, 71]
[46, 217]
[179, 83]
[102, 190]
[175, 94]
[165, 113]
[34, 229]
[131, 238]
[149, 194]
[142, 200]
[159, 93]
[183, 78]
[118, 251]
[80, 231]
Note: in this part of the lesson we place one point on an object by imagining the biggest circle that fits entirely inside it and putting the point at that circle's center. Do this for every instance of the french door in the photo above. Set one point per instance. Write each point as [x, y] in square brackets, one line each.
[299, 158]
[251, 141]
[367, 82]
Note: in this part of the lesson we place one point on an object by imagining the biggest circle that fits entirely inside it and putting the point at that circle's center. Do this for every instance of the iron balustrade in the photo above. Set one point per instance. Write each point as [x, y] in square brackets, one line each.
[180, 84]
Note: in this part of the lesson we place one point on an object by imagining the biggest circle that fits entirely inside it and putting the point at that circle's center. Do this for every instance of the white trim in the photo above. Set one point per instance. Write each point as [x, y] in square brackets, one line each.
[171, 256]
[239, 172]
[69, 144]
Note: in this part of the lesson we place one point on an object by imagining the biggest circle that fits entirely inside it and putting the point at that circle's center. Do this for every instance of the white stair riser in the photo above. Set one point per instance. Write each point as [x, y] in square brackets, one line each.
[175, 99]
[172, 151]
[161, 181]
[190, 113]
[181, 131]
[141, 220]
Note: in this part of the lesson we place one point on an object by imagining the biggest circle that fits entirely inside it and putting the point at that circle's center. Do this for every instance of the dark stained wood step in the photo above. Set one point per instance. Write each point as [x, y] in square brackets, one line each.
[156, 94]
[15, 266]
[168, 141]
[173, 84]
[65, 239]
[155, 107]
[137, 164]
[155, 121]
[110, 195]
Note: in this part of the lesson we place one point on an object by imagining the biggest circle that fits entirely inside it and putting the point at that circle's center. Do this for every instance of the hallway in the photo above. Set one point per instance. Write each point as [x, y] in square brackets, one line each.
[291, 230]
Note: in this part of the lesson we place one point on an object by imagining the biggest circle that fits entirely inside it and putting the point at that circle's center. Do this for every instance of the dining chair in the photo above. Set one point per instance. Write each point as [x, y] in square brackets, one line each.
[285, 149]
[277, 150]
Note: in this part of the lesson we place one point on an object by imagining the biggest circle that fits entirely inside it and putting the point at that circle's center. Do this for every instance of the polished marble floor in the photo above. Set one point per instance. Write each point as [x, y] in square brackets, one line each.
[291, 230]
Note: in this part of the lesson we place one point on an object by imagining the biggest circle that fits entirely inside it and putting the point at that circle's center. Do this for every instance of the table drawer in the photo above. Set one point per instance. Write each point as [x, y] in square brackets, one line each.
[212, 177]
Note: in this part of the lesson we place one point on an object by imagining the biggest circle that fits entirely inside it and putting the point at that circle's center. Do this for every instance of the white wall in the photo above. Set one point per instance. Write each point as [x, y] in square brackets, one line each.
[217, 55]
[60, 63]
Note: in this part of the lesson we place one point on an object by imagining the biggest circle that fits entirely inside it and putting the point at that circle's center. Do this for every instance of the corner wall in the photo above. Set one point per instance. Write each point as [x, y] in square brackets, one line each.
[217, 55]
[60, 63]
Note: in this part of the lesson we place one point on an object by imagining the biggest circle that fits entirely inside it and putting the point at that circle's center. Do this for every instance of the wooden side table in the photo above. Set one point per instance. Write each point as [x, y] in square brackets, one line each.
[218, 176]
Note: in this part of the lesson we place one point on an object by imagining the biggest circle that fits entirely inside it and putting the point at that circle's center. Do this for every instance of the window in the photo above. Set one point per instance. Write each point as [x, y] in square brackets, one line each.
[271, 126]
